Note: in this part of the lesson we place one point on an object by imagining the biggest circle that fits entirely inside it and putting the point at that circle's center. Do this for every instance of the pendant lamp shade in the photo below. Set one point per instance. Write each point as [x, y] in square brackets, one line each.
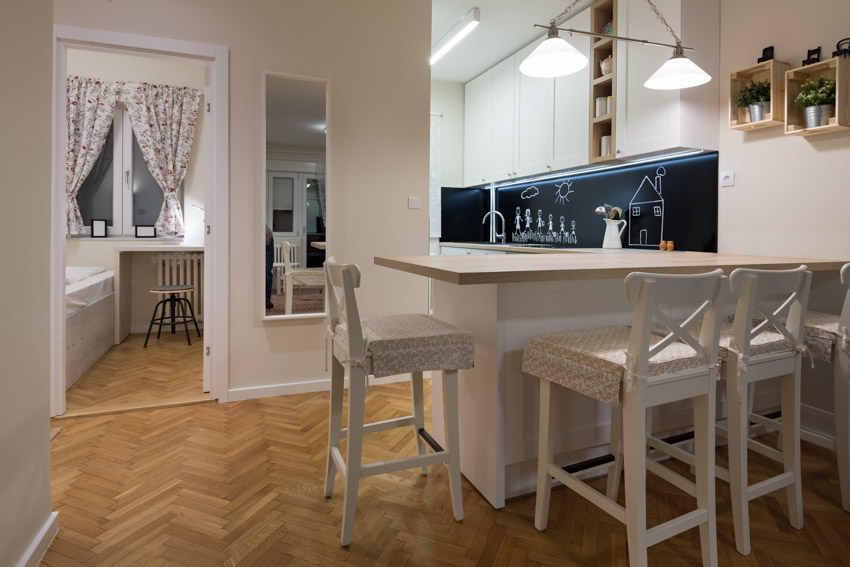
[678, 72]
[553, 58]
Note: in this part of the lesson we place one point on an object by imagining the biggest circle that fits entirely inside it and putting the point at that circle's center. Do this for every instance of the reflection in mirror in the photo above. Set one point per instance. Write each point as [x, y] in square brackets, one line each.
[295, 196]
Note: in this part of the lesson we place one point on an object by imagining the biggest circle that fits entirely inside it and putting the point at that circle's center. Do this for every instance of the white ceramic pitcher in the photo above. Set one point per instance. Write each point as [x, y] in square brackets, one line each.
[612, 235]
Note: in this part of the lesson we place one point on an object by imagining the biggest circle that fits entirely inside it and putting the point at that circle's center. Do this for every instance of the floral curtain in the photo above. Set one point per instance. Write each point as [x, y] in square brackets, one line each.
[90, 108]
[163, 120]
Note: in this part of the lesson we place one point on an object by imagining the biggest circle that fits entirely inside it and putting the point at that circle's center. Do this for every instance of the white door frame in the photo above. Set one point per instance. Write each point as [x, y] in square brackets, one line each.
[216, 214]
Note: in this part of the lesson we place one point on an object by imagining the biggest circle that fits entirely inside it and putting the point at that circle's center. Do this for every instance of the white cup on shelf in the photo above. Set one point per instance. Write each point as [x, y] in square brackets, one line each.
[601, 106]
[605, 146]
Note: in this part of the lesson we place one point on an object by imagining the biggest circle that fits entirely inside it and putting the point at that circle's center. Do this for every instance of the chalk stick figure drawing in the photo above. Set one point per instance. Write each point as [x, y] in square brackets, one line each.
[562, 195]
[518, 221]
[551, 232]
[527, 221]
[539, 221]
[563, 232]
[573, 238]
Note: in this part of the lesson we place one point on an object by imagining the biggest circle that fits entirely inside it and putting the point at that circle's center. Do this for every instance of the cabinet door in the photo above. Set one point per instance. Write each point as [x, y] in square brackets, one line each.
[502, 121]
[568, 140]
[533, 118]
[476, 130]
[647, 120]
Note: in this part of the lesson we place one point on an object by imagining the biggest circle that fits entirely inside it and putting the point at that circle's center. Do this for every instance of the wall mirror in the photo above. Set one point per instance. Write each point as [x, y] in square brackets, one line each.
[294, 196]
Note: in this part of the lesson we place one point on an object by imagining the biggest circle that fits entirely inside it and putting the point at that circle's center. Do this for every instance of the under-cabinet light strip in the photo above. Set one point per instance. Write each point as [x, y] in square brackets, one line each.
[596, 169]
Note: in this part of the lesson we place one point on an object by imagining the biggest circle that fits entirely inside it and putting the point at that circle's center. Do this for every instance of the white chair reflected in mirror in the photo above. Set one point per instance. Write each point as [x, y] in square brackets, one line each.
[279, 264]
[293, 276]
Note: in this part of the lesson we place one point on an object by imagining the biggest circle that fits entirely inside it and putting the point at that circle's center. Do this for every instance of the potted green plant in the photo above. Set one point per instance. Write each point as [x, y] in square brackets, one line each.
[817, 99]
[756, 96]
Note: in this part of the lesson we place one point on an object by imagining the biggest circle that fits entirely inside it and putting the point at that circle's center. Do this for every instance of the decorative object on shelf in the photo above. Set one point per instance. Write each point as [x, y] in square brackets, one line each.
[608, 29]
[556, 58]
[670, 246]
[601, 106]
[663, 246]
[817, 99]
[605, 145]
[756, 96]
[98, 228]
[762, 84]
[766, 54]
[813, 56]
[605, 66]
[460, 30]
[842, 48]
[612, 234]
[145, 231]
[608, 102]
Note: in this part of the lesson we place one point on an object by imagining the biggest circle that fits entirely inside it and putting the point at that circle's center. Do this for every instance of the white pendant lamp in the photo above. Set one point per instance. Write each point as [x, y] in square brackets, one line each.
[556, 58]
[553, 58]
[678, 72]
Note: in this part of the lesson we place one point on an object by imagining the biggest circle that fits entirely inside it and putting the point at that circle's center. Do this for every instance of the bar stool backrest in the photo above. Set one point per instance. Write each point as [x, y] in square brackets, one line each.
[753, 287]
[648, 291]
[289, 250]
[343, 279]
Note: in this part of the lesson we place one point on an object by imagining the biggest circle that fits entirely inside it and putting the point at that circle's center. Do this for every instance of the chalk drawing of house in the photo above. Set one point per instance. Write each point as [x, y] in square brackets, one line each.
[646, 212]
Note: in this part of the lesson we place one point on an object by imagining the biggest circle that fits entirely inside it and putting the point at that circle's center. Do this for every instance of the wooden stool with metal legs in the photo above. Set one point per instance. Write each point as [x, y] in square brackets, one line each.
[173, 301]
[633, 370]
[388, 346]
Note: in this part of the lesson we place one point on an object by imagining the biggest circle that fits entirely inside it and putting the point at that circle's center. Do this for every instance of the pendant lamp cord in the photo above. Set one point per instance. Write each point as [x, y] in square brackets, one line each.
[554, 21]
[660, 16]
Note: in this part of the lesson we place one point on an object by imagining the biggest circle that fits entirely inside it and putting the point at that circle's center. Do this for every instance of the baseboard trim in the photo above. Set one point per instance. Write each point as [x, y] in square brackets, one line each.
[304, 387]
[42, 540]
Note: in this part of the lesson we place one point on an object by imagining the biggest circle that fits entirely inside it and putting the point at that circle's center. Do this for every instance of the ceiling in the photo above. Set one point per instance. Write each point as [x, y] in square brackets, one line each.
[295, 113]
[506, 26]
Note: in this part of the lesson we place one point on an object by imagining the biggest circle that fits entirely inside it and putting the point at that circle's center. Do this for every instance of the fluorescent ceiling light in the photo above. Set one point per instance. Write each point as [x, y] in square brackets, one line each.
[553, 58]
[454, 36]
[678, 72]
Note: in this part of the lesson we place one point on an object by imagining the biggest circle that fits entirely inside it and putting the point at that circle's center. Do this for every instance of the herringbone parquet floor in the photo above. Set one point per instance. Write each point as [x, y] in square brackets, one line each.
[129, 377]
[241, 484]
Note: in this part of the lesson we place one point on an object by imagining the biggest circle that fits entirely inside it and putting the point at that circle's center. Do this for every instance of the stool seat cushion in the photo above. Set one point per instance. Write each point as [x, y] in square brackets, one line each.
[171, 288]
[400, 344]
[818, 335]
[309, 278]
[592, 361]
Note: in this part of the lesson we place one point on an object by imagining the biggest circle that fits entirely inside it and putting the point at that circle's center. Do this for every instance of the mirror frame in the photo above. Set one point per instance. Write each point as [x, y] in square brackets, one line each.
[263, 212]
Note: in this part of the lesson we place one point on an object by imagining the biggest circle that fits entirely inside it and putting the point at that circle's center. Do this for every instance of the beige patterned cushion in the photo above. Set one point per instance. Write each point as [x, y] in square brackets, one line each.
[399, 344]
[819, 333]
[766, 342]
[591, 361]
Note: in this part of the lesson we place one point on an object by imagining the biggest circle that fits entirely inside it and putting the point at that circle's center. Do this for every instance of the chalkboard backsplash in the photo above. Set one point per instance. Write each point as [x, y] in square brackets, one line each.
[664, 200]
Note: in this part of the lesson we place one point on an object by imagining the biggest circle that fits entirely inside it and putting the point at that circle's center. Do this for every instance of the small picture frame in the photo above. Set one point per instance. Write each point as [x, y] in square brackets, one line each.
[98, 228]
[145, 231]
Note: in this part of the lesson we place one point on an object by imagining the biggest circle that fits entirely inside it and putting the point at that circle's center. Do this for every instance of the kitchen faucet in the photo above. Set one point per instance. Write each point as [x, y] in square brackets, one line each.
[497, 235]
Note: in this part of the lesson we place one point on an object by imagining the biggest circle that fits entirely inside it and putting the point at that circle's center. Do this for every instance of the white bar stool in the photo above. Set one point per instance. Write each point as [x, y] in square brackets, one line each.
[387, 346]
[655, 371]
[294, 276]
[826, 337]
[773, 348]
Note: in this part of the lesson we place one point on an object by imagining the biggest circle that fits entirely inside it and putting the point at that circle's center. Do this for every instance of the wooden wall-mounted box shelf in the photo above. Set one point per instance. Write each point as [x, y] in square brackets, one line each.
[774, 71]
[838, 69]
[602, 12]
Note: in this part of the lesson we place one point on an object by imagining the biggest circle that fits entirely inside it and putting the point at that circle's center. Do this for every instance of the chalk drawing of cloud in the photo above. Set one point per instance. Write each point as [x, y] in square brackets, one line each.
[530, 192]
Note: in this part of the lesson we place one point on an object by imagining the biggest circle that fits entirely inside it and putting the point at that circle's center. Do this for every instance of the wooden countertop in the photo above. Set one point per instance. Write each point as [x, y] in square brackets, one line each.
[517, 268]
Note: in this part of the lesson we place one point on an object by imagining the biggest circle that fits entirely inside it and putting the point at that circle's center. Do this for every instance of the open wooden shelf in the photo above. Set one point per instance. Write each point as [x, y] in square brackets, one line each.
[602, 12]
[838, 69]
[774, 71]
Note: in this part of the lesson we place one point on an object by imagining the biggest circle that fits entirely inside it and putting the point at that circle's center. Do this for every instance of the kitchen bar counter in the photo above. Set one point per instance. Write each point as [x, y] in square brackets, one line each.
[518, 295]
[530, 265]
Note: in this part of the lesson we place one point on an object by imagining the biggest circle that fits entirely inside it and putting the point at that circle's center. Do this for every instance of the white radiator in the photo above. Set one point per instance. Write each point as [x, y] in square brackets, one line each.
[183, 268]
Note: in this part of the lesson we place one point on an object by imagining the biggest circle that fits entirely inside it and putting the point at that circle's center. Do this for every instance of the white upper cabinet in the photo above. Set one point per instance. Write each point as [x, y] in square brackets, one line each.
[476, 131]
[533, 119]
[567, 143]
[502, 120]
[647, 120]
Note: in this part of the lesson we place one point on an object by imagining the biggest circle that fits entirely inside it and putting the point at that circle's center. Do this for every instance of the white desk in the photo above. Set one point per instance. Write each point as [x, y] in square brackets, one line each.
[124, 277]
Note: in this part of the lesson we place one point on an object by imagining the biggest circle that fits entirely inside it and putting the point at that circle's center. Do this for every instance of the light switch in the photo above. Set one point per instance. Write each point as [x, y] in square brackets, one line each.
[727, 178]
[413, 202]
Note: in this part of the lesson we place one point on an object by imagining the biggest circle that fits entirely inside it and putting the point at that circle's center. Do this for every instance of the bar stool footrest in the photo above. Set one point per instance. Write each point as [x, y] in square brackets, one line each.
[430, 440]
[588, 464]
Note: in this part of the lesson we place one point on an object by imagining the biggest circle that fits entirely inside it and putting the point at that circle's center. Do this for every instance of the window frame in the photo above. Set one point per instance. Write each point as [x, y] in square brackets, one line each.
[299, 187]
[657, 210]
[635, 211]
[122, 175]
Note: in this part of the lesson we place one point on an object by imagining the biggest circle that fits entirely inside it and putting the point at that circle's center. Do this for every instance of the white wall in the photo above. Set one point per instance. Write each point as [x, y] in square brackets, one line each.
[447, 99]
[377, 147]
[25, 109]
[791, 192]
